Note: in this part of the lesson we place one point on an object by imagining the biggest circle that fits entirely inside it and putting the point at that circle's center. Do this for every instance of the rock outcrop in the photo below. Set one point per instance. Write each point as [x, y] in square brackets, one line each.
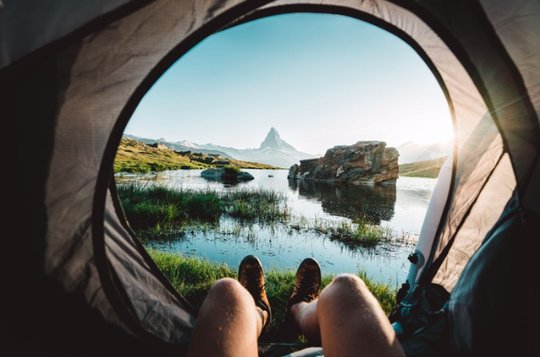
[226, 174]
[366, 162]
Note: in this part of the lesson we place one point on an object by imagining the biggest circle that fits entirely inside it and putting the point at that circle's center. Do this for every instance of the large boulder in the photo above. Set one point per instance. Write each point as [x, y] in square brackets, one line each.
[365, 162]
[226, 174]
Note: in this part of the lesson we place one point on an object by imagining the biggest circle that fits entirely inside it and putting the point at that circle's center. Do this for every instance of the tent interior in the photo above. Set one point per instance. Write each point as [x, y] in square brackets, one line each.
[71, 76]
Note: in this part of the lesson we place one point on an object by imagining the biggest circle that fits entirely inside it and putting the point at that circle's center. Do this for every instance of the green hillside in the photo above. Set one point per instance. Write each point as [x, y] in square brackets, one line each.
[136, 156]
[428, 168]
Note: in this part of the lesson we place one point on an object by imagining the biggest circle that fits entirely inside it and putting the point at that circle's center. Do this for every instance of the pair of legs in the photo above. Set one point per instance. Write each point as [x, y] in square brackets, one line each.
[345, 317]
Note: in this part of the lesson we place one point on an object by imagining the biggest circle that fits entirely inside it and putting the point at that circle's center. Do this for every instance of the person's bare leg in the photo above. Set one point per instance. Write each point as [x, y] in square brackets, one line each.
[305, 315]
[228, 324]
[352, 323]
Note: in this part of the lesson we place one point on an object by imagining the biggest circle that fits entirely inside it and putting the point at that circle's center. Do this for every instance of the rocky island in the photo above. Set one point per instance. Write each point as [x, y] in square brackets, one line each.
[226, 174]
[366, 162]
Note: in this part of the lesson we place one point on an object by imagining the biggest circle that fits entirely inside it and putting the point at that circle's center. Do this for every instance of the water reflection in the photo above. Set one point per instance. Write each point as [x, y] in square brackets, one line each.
[373, 202]
[401, 207]
[281, 248]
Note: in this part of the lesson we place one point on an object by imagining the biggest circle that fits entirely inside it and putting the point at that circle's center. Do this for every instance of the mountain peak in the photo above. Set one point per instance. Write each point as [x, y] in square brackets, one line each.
[274, 141]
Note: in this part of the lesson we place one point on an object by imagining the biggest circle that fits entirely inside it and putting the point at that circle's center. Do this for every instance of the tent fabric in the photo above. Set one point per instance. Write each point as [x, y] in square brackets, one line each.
[521, 22]
[155, 311]
[495, 195]
[494, 301]
[479, 157]
[26, 26]
[517, 25]
[72, 75]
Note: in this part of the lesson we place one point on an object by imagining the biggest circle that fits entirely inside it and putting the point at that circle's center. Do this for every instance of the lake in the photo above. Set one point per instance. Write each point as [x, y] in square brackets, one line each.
[401, 207]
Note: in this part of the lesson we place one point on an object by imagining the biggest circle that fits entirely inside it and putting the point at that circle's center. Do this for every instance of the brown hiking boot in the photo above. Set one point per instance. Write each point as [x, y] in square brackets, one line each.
[307, 283]
[306, 289]
[251, 277]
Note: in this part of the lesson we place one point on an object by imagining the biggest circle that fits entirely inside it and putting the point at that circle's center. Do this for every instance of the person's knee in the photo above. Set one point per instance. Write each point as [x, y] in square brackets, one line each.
[227, 290]
[226, 284]
[349, 280]
[343, 286]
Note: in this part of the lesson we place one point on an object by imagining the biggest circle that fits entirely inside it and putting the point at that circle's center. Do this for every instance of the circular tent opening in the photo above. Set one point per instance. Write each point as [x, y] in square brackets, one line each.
[407, 108]
[322, 80]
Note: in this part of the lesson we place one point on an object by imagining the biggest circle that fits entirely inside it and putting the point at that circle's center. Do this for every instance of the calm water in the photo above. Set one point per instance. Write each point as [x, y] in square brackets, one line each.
[401, 207]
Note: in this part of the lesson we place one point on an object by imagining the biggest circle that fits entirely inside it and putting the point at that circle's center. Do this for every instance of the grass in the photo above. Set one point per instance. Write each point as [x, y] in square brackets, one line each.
[157, 212]
[256, 205]
[159, 209]
[134, 156]
[428, 168]
[361, 232]
[193, 277]
[230, 172]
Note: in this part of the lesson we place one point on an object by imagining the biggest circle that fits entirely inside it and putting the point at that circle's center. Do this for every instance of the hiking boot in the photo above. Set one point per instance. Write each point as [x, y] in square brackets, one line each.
[251, 277]
[306, 289]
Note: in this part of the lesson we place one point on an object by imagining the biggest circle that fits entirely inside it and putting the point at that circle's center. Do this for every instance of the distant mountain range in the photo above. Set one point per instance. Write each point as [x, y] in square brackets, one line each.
[272, 151]
[179, 145]
[277, 152]
[412, 152]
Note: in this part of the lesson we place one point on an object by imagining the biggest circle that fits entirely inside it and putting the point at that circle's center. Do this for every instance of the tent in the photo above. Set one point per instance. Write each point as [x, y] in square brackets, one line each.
[71, 74]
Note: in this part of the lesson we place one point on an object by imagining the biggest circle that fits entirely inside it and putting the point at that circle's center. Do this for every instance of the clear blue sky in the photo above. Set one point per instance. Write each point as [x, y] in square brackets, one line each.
[321, 80]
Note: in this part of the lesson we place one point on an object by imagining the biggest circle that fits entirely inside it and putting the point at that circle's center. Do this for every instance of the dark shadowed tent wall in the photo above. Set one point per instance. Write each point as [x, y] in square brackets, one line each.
[72, 74]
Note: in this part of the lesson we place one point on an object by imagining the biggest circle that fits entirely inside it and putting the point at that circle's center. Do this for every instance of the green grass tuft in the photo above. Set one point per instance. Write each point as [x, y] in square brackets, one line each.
[361, 232]
[149, 207]
[159, 208]
[230, 172]
[263, 206]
